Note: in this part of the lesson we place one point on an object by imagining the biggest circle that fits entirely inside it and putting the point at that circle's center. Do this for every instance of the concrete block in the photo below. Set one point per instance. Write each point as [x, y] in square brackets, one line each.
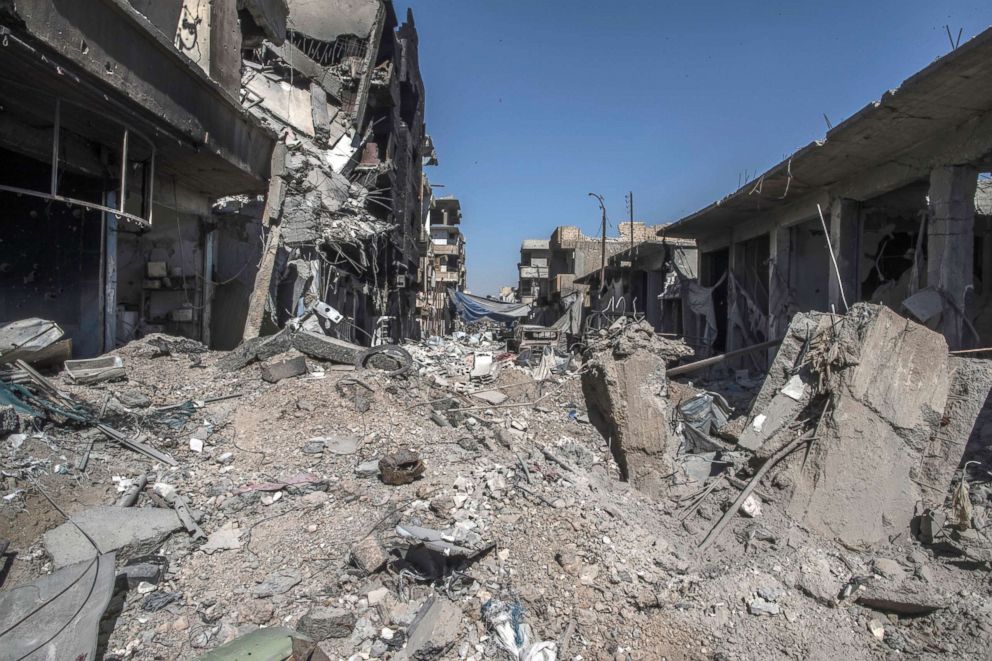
[276, 372]
[322, 623]
[434, 631]
[130, 531]
[327, 348]
[628, 404]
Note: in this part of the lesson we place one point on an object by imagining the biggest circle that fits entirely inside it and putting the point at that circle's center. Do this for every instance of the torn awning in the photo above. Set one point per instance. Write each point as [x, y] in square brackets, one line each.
[473, 308]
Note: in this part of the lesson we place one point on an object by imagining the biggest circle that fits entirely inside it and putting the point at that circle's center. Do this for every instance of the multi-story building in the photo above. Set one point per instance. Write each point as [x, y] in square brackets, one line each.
[444, 265]
[573, 255]
[532, 270]
[120, 125]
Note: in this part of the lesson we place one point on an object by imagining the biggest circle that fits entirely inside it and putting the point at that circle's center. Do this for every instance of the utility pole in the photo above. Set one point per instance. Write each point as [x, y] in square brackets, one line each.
[602, 245]
[631, 194]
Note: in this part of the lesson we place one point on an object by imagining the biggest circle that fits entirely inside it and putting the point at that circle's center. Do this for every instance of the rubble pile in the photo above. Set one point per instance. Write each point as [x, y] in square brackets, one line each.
[353, 510]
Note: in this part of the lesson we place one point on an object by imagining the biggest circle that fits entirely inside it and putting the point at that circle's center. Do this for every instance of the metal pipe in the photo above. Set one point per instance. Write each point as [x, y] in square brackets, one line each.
[713, 360]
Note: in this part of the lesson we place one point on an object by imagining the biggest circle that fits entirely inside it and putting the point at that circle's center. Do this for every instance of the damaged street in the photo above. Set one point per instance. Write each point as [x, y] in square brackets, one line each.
[255, 404]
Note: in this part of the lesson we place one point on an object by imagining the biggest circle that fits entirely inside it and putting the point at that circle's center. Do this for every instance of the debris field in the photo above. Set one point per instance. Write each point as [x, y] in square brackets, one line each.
[447, 499]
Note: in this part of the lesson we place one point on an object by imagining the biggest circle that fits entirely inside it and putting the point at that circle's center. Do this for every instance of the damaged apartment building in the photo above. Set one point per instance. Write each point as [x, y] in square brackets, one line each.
[120, 123]
[443, 268]
[900, 192]
[209, 169]
[343, 215]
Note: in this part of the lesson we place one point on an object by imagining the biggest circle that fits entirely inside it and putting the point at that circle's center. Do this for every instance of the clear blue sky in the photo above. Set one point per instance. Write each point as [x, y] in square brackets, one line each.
[534, 103]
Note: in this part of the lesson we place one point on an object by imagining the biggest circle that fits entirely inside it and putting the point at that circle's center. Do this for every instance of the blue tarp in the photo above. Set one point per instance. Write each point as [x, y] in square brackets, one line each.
[473, 308]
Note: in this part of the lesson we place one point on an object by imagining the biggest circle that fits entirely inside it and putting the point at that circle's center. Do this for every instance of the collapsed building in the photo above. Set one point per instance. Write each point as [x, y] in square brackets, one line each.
[891, 207]
[344, 213]
[444, 263]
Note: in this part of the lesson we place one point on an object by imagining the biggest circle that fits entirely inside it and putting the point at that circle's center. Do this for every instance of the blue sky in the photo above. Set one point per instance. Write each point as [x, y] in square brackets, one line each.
[532, 104]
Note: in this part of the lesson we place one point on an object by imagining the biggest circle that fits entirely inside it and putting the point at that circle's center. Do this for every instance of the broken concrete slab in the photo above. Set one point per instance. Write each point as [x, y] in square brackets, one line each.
[278, 582]
[271, 643]
[434, 631]
[327, 348]
[63, 608]
[225, 538]
[285, 369]
[888, 390]
[130, 531]
[494, 397]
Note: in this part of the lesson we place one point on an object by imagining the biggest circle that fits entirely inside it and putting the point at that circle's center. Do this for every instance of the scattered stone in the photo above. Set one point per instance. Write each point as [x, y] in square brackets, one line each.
[314, 446]
[226, 538]
[337, 444]
[256, 611]
[759, 606]
[368, 555]
[876, 629]
[316, 498]
[323, 623]
[367, 468]
[196, 445]
[278, 582]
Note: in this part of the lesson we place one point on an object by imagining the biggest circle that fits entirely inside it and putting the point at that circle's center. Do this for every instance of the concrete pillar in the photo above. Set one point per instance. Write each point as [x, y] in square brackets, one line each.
[950, 241]
[779, 298]
[845, 237]
[731, 342]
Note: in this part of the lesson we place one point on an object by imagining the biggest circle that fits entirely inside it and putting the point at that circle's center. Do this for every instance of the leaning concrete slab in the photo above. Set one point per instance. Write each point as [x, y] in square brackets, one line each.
[132, 531]
[63, 608]
[888, 388]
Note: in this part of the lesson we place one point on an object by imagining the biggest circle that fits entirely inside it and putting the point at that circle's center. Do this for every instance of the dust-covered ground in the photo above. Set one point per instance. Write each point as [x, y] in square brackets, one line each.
[598, 568]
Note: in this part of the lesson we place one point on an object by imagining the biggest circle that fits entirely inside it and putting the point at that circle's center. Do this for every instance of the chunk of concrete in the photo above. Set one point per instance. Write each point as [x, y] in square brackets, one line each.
[323, 623]
[888, 393]
[327, 348]
[434, 631]
[627, 399]
[130, 531]
[285, 369]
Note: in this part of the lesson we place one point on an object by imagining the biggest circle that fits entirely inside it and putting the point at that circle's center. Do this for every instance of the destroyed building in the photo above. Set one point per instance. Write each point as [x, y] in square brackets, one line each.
[901, 189]
[120, 125]
[211, 170]
[344, 215]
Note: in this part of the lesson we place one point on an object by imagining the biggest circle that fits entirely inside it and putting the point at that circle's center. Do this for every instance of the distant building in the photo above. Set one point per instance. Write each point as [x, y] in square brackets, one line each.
[508, 294]
[446, 264]
[532, 287]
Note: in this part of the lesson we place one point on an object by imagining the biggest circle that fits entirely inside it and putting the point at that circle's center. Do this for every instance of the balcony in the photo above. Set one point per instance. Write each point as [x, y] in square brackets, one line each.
[531, 272]
[447, 276]
[446, 249]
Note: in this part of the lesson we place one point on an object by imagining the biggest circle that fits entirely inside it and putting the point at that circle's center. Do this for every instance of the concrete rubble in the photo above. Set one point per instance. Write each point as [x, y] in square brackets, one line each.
[336, 506]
